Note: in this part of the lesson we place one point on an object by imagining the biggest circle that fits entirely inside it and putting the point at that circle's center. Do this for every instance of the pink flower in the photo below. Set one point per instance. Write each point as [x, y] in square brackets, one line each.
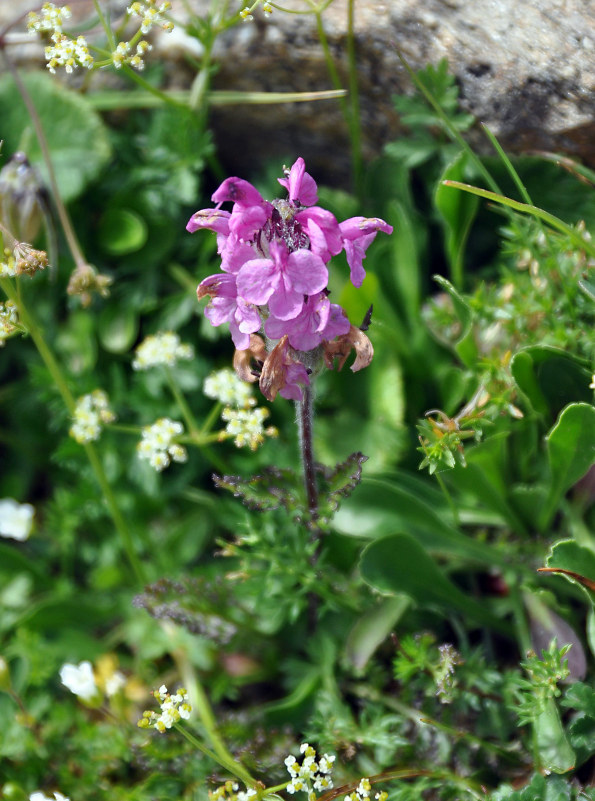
[250, 211]
[300, 185]
[226, 306]
[358, 233]
[318, 320]
[283, 280]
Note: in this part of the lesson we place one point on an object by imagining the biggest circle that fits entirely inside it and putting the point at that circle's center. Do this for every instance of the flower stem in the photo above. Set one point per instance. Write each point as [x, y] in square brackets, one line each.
[304, 419]
[55, 371]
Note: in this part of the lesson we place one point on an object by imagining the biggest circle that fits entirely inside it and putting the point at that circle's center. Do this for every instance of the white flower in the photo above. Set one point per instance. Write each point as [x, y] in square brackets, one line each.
[50, 20]
[90, 413]
[79, 680]
[164, 348]
[114, 683]
[9, 319]
[173, 709]
[246, 426]
[157, 446]
[16, 519]
[225, 386]
[592, 384]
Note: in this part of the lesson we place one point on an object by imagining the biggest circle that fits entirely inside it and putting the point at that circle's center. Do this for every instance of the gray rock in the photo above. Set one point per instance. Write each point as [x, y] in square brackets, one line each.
[526, 69]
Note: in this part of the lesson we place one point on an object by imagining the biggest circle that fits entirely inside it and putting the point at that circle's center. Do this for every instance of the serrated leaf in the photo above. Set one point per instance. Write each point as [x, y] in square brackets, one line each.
[77, 138]
[337, 483]
[272, 489]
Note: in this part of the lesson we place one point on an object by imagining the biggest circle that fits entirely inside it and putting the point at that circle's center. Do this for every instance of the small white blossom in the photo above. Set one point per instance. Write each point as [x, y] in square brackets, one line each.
[592, 384]
[226, 387]
[92, 411]
[157, 446]
[151, 14]
[50, 20]
[67, 53]
[312, 775]
[16, 519]
[114, 683]
[9, 321]
[79, 679]
[174, 707]
[161, 349]
[246, 426]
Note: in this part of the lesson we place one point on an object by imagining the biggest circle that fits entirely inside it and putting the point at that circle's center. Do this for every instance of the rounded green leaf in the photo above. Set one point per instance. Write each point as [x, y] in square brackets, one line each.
[122, 231]
[77, 139]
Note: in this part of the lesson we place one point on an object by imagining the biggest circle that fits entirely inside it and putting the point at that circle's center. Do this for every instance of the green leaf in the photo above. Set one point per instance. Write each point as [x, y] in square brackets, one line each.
[550, 378]
[555, 752]
[398, 565]
[406, 268]
[122, 231]
[77, 139]
[458, 212]
[337, 483]
[571, 452]
[372, 629]
[465, 344]
[381, 507]
[117, 327]
[576, 563]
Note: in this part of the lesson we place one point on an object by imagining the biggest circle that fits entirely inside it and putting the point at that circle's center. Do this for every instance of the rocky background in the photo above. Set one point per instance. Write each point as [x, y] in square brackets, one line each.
[526, 69]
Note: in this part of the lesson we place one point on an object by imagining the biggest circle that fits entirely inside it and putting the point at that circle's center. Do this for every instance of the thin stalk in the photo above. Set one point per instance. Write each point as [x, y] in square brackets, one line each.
[304, 420]
[71, 238]
[200, 702]
[449, 499]
[59, 379]
[189, 419]
[230, 764]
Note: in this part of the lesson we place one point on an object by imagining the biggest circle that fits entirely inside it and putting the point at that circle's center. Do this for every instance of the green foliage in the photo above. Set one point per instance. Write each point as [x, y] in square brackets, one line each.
[279, 622]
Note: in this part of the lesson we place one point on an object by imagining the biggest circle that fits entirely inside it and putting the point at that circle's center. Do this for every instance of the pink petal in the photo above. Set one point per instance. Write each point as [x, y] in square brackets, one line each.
[238, 191]
[307, 272]
[257, 280]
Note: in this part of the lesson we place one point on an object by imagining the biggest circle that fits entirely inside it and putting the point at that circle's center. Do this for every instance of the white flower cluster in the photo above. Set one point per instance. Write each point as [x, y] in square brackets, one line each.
[91, 413]
[230, 791]
[173, 709]
[68, 53]
[161, 349]
[246, 426]
[226, 387]
[9, 321]
[311, 776]
[16, 519]
[362, 792]
[121, 55]
[50, 20]
[79, 679]
[39, 796]
[151, 14]
[157, 446]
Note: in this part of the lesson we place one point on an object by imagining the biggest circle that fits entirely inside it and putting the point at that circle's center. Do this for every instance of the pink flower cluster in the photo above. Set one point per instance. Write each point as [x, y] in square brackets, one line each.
[274, 258]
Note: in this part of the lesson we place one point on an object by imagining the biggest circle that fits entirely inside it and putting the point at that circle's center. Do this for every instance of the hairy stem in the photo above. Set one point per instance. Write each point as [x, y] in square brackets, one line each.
[304, 420]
